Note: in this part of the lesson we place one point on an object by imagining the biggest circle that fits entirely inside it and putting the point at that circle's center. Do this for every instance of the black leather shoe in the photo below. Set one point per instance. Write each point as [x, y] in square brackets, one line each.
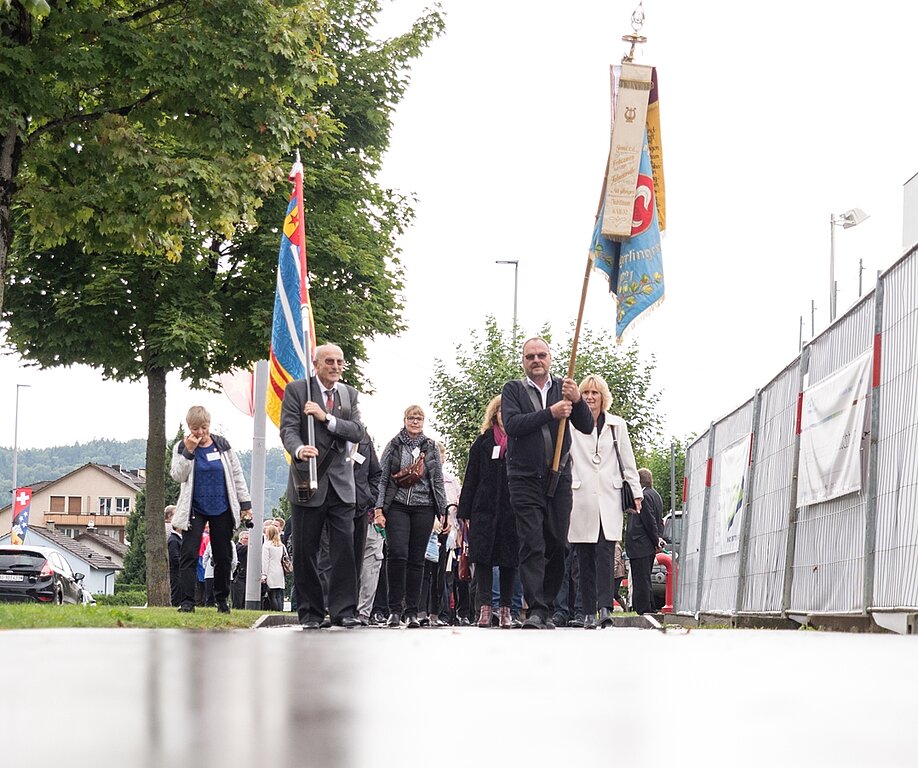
[464, 622]
[559, 619]
[186, 608]
[311, 624]
[413, 623]
[349, 622]
[605, 618]
[223, 608]
[589, 621]
[394, 620]
[537, 622]
[326, 622]
[577, 621]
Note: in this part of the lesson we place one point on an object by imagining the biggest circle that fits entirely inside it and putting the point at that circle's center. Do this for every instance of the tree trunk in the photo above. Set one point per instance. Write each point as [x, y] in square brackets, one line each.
[10, 152]
[157, 559]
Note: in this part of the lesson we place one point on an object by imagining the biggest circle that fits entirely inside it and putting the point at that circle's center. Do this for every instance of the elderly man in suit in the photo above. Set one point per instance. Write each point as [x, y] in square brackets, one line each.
[333, 406]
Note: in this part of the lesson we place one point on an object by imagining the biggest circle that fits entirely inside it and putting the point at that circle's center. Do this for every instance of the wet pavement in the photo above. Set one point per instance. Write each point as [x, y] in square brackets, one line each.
[451, 697]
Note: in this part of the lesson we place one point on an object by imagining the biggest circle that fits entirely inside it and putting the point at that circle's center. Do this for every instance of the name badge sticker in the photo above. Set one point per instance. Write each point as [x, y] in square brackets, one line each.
[215, 456]
[359, 458]
[415, 452]
[495, 454]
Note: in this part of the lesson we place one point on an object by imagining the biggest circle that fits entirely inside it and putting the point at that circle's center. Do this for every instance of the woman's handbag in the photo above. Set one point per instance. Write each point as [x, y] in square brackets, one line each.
[410, 475]
[464, 571]
[628, 504]
[286, 562]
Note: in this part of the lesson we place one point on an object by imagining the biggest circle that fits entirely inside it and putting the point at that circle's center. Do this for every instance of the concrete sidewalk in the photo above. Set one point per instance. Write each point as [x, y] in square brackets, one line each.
[455, 697]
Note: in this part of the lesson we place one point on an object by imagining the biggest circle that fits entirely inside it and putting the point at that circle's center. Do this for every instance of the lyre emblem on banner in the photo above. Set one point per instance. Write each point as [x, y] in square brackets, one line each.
[630, 114]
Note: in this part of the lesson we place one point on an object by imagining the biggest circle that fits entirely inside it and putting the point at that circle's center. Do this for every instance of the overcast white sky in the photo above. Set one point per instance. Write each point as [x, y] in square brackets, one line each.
[774, 116]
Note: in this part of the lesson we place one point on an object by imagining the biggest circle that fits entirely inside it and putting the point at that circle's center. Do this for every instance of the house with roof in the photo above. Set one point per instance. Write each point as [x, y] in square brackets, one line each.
[107, 546]
[95, 497]
[99, 570]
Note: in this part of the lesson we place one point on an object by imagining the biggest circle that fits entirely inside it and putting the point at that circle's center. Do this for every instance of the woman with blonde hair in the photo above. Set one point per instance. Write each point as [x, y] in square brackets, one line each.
[272, 568]
[411, 493]
[485, 506]
[602, 462]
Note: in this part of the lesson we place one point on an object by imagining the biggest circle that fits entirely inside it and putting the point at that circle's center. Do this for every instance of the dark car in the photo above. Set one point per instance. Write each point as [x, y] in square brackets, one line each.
[672, 535]
[38, 574]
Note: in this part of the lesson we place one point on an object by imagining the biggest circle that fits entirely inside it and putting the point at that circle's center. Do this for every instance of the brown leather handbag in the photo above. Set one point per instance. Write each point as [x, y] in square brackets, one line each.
[410, 475]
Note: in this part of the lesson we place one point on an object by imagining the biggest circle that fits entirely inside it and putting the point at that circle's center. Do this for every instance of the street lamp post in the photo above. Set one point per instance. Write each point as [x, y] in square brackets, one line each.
[16, 440]
[844, 220]
[516, 271]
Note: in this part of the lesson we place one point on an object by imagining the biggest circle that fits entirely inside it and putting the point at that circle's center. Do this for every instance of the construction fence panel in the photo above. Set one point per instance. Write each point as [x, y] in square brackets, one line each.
[896, 566]
[828, 567]
[721, 567]
[770, 503]
[696, 462]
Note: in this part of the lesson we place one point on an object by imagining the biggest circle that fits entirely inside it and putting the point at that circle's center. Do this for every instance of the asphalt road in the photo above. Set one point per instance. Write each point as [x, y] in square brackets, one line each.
[282, 697]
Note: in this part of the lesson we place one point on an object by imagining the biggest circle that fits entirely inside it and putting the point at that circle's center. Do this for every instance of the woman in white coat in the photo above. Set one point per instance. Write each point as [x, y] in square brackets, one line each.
[597, 517]
[272, 569]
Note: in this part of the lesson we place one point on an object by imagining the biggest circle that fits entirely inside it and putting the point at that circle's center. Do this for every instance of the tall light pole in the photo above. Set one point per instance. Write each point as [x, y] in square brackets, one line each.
[844, 220]
[516, 272]
[16, 440]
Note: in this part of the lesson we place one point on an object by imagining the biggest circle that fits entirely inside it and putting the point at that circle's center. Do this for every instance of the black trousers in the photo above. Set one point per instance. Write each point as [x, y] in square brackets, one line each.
[640, 583]
[596, 574]
[408, 529]
[484, 576]
[238, 590]
[308, 523]
[541, 524]
[221, 546]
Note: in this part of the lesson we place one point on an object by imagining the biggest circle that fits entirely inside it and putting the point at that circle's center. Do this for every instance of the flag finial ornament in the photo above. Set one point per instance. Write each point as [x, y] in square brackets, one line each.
[634, 39]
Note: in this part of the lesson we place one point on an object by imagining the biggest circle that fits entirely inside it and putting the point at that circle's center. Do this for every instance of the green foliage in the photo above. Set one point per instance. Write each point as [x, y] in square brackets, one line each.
[657, 459]
[134, 597]
[461, 391]
[33, 616]
[143, 138]
[135, 560]
[44, 464]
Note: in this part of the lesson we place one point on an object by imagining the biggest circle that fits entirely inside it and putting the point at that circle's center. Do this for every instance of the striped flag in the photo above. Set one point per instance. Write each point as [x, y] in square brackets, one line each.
[293, 333]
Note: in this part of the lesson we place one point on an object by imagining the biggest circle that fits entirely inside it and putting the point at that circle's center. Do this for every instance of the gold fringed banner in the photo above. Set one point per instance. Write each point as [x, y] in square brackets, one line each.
[655, 146]
[625, 153]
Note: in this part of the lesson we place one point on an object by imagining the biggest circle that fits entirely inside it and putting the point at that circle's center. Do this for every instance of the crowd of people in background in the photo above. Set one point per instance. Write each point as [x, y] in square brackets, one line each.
[399, 541]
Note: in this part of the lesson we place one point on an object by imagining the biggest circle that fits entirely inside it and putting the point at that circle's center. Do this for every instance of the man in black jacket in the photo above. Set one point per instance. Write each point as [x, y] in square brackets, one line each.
[532, 410]
[642, 542]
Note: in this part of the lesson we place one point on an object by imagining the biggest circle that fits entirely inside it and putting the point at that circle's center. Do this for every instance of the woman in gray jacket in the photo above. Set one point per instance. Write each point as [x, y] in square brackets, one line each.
[406, 507]
[213, 492]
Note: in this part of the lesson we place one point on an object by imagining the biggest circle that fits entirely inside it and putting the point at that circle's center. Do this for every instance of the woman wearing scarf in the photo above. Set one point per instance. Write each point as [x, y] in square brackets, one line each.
[485, 506]
[407, 503]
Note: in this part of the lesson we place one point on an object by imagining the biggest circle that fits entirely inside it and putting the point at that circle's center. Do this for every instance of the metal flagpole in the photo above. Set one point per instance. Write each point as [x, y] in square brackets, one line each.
[253, 558]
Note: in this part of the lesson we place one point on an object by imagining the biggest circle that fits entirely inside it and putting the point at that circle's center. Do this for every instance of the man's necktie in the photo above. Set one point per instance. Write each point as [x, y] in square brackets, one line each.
[329, 400]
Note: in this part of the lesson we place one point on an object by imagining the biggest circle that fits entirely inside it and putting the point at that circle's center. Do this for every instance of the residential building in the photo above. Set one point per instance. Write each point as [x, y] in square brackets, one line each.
[95, 497]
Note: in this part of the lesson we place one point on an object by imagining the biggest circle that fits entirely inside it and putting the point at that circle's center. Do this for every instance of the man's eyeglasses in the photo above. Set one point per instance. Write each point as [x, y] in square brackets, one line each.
[533, 355]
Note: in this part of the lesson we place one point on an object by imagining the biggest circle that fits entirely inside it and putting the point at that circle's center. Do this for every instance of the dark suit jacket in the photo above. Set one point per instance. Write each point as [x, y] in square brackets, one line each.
[642, 534]
[334, 469]
[526, 450]
[366, 477]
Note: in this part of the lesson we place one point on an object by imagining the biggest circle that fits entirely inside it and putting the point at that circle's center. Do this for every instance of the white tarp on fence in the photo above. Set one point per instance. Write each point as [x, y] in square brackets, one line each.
[831, 425]
[731, 490]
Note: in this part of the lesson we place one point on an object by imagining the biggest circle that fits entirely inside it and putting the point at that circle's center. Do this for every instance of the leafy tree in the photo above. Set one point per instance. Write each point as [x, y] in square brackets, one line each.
[138, 192]
[135, 530]
[461, 391]
[657, 459]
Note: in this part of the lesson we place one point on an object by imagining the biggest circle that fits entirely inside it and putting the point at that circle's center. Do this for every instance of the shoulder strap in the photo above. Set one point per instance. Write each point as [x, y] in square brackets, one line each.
[345, 395]
[621, 467]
